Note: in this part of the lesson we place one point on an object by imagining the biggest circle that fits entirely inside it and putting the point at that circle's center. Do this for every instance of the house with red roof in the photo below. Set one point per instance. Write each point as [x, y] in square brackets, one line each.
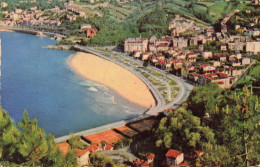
[162, 47]
[137, 53]
[191, 56]
[144, 163]
[221, 79]
[140, 163]
[83, 154]
[193, 77]
[206, 68]
[177, 64]
[91, 32]
[220, 57]
[146, 55]
[174, 157]
[223, 47]
[180, 56]
[150, 158]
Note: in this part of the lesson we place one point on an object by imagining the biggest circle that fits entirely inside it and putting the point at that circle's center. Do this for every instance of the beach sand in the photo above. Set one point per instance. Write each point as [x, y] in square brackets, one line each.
[113, 76]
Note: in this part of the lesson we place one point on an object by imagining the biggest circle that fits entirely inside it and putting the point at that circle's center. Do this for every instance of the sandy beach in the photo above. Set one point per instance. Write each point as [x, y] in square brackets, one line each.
[113, 76]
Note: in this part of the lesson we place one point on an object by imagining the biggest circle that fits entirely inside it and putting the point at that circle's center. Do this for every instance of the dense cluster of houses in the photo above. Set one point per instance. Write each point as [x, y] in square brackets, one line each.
[170, 53]
[148, 162]
[34, 17]
[73, 12]
[30, 17]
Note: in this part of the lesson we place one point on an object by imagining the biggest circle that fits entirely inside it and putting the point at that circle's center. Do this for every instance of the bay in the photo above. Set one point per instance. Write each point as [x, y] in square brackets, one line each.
[40, 80]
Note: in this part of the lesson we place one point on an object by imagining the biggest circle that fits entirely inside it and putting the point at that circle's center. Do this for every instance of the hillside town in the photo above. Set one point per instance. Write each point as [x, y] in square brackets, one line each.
[172, 53]
[49, 18]
[31, 17]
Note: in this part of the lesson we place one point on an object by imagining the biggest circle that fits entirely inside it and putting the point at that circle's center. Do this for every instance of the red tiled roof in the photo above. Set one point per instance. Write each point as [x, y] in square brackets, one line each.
[162, 45]
[206, 76]
[64, 147]
[204, 65]
[198, 152]
[90, 149]
[184, 164]
[190, 53]
[138, 161]
[220, 82]
[150, 156]
[194, 74]
[173, 153]
[81, 152]
[108, 147]
[175, 62]
[109, 136]
[162, 62]
[169, 110]
[223, 75]
[145, 164]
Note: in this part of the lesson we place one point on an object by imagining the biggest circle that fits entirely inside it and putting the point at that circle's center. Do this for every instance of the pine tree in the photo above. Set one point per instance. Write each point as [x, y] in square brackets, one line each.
[9, 136]
[33, 146]
[241, 132]
[54, 156]
[35, 149]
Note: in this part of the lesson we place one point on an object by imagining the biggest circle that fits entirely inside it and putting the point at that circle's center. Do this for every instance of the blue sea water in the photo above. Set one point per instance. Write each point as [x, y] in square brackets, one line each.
[40, 80]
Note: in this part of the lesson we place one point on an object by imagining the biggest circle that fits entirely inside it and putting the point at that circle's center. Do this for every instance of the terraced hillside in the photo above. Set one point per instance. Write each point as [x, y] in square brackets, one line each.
[201, 12]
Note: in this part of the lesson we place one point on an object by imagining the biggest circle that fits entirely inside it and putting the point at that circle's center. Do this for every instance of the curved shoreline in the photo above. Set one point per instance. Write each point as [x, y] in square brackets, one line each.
[113, 76]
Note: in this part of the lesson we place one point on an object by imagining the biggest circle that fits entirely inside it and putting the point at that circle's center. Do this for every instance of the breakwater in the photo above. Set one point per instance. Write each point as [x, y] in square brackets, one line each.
[56, 36]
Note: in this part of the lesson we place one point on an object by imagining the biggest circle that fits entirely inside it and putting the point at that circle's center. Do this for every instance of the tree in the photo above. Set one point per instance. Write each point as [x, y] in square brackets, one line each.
[182, 131]
[28, 145]
[54, 156]
[9, 136]
[154, 22]
[33, 146]
[237, 131]
[247, 107]
[198, 99]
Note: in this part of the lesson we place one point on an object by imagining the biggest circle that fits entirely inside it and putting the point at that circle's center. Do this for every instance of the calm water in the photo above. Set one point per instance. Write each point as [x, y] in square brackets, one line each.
[41, 81]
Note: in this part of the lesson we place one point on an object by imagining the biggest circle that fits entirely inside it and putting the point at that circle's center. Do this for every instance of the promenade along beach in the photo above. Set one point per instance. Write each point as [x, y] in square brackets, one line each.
[107, 73]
